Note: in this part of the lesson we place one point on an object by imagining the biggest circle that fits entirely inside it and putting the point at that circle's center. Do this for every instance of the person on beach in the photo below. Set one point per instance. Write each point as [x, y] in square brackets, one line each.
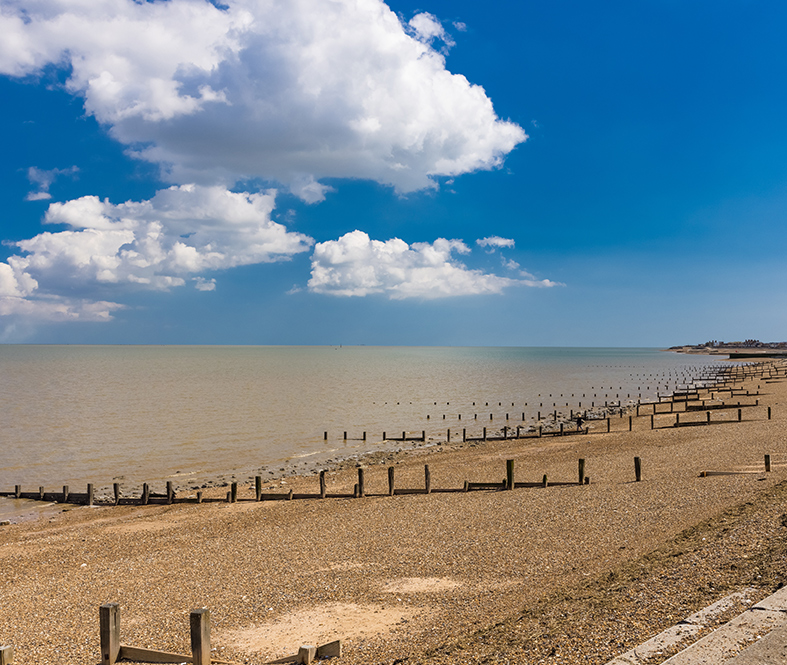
[579, 423]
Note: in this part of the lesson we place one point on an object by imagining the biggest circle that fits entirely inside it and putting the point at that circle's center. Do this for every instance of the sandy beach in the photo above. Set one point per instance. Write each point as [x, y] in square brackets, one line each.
[562, 574]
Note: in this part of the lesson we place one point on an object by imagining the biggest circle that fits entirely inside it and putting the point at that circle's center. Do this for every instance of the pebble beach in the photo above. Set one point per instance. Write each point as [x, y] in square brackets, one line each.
[557, 574]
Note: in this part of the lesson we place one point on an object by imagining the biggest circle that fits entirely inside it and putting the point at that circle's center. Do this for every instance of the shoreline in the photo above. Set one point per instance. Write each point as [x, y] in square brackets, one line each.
[409, 577]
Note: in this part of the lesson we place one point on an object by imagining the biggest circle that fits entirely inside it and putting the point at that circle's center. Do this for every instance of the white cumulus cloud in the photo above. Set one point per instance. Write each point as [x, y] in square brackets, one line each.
[495, 241]
[355, 265]
[293, 91]
[157, 243]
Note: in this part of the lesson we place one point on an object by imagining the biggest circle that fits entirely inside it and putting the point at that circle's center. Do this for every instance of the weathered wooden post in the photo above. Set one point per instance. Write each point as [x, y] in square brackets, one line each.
[466, 486]
[638, 468]
[17, 491]
[404, 436]
[561, 429]
[257, 488]
[7, 654]
[40, 493]
[89, 500]
[233, 492]
[464, 435]
[199, 496]
[116, 492]
[361, 488]
[651, 421]
[290, 494]
[631, 420]
[544, 481]
[509, 474]
[581, 471]
[306, 654]
[767, 463]
[390, 481]
[769, 413]
[170, 492]
[322, 484]
[199, 621]
[740, 414]
[109, 632]
[427, 480]
[363, 437]
[448, 436]
[539, 431]
[423, 435]
[484, 433]
[345, 436]
[325, 436]
[145, 494]
[707, 414]
[384, 437]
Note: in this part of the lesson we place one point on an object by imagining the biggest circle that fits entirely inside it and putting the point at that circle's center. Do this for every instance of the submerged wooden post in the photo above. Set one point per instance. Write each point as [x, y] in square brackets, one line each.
[199, 622]
[116, 491]
[361, 489]
[427, 479]
[767, 463]
[322, 484]
[7, 654]
[509, 474]
[638, 468]
[109, 632]
[145, 494]
[258, 487]
[581, 471]
[390, 481]
[170, 492]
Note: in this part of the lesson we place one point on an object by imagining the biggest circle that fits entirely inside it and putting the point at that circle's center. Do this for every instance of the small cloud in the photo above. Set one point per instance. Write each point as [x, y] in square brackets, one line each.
[460, 26]
[43, 179]
[509, 263]
[495, 241]
[426, 27]
[203, 284]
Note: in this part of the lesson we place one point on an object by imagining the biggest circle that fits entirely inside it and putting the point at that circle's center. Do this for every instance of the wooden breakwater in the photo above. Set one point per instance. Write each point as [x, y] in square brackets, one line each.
[693, 406]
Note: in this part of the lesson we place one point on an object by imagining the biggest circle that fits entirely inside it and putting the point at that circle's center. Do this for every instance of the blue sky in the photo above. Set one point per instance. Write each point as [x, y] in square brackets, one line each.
[459, 173]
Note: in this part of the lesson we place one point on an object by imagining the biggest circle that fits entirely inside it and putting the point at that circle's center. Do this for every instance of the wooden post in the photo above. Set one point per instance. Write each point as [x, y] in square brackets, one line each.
[544, 481]
[404, 436]
[561, 429]
[229, 497]
[509, 474]
[361, 488]
[199, 496]
[363, 438]
[17, 491]
[638, 468]
[607, 424]
[233, 492]
[484, 433]
[769, 413]
[427, 479]
[40, 493]
[90, 494]
[390, 481]
[258, 487]
[740, 413]
[325, 436]
[581, 471]
[767, 463]
[708, 417]
[290, 495]
[109, 632]
[7, 655]
[448, 436]
[630, 422]
[345, 436]
[423, 435]
[200, 636]
[464, 435]
[323, 491]
[467, 486]
[384, 437]
[116, 491]
[306, 654]
[145, 494]
[539, 431]
[170, 492]
[651, 421]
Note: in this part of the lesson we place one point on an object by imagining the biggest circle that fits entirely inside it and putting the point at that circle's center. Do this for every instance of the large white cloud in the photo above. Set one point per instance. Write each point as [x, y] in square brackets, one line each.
[355, 265]
[159, 243]
[294, 91]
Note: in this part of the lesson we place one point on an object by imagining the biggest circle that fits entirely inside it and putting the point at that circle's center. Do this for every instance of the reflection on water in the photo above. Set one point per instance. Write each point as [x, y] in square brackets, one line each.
[76, 414]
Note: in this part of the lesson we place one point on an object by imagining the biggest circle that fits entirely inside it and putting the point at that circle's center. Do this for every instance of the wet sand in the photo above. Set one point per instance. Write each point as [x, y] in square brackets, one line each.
[416, 578]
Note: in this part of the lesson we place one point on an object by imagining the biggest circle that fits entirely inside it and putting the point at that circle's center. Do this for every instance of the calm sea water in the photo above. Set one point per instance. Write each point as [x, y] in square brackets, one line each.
[78, 414]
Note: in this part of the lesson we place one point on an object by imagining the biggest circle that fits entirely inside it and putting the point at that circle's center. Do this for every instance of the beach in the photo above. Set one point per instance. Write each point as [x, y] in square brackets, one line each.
[560, 574]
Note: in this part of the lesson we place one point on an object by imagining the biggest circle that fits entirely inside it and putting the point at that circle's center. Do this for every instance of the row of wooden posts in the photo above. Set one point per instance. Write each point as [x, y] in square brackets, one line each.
[112, 650]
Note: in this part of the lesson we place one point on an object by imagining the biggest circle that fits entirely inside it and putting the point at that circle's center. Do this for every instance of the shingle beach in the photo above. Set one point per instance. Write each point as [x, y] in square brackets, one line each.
[561, 574]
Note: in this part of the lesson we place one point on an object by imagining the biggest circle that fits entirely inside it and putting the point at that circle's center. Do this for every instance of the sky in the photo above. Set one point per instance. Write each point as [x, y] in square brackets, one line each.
[514, 173]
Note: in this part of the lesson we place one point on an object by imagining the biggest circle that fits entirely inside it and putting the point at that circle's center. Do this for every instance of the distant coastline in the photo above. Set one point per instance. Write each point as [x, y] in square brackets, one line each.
[750, 348]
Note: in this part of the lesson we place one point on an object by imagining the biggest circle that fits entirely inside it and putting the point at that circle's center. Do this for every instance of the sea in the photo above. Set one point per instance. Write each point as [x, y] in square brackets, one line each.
[72, 415]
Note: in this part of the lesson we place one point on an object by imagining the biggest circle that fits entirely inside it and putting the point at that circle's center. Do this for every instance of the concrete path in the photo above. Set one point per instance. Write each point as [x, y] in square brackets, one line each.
[756, 637]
